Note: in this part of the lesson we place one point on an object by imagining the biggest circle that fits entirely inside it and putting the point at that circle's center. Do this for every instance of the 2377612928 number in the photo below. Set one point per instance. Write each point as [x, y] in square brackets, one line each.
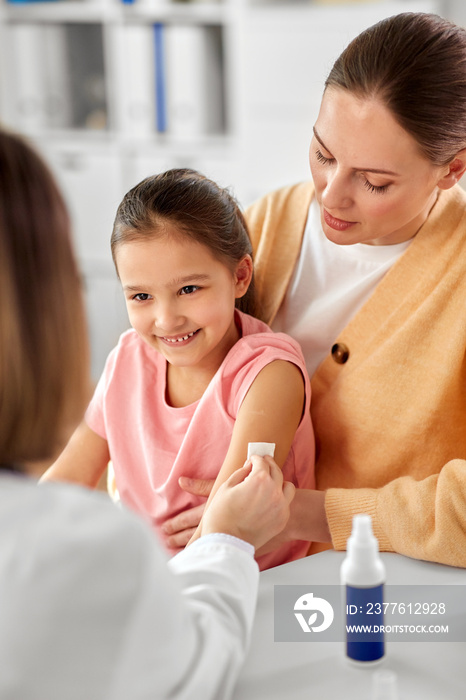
[405, 608]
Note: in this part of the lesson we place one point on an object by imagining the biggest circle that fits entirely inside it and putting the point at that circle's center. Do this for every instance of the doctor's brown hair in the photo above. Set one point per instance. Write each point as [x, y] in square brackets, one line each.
[416, 64]
[201, 210]
[43, 340]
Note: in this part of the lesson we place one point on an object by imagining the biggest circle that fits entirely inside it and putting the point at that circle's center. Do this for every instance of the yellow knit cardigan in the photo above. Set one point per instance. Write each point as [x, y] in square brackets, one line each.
[390, 422]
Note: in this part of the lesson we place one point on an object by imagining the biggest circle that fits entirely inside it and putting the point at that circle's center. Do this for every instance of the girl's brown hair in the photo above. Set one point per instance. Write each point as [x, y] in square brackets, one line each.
[198, 207]
[43, 339]
[416, 64]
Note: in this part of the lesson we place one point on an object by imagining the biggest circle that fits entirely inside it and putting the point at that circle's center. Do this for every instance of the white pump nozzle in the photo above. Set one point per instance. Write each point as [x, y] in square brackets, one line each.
[362, 529]
[362, 565]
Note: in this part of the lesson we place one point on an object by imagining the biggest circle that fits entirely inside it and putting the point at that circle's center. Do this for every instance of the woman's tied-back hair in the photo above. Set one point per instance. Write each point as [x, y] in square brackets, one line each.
[43, 340]
[416, 64]
[197, 206]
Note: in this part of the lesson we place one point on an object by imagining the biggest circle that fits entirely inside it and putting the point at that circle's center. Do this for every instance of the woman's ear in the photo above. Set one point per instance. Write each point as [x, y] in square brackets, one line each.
[455, 171]
[243, 276]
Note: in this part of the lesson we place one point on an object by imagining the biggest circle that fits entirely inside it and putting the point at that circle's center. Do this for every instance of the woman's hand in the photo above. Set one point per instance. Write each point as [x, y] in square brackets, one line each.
[253, 504]
[182, 527]
[307, 521]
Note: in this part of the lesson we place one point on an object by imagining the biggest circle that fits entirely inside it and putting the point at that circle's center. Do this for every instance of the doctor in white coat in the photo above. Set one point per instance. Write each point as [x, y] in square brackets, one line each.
[90, 608]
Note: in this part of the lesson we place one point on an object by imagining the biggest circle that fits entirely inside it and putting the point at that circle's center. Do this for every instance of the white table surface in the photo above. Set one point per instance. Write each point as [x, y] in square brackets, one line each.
[291, 671]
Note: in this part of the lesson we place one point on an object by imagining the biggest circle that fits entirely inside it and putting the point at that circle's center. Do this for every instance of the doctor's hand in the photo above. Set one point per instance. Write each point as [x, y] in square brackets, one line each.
[253, 504]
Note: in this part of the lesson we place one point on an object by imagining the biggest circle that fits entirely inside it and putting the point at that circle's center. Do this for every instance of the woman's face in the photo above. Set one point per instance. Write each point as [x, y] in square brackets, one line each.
[373, 185]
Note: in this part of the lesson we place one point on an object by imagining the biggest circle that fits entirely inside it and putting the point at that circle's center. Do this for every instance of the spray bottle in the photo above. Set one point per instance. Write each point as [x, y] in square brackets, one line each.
[363, 575]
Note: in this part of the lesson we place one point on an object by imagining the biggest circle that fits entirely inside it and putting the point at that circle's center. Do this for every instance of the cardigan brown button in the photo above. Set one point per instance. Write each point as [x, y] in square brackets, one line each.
[340, 353]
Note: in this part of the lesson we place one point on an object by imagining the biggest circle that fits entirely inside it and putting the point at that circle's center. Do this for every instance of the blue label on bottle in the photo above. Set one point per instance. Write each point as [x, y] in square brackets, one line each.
[364, 623]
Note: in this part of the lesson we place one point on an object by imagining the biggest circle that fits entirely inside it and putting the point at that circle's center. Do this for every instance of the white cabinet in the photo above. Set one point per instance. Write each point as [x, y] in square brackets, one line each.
[91, 178]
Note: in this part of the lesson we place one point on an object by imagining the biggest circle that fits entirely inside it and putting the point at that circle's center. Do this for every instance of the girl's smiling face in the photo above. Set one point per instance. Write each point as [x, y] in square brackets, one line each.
[373, 184]
[180, 298]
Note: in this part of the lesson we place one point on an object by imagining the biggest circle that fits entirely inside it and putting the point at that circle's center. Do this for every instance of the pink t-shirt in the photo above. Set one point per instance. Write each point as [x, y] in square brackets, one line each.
[152, 443]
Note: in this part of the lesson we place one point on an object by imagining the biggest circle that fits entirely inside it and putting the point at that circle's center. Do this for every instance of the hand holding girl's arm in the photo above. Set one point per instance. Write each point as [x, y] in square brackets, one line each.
[308, 520]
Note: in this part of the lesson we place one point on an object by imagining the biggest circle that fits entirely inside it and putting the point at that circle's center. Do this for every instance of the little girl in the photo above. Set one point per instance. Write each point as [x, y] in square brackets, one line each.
[196, 378]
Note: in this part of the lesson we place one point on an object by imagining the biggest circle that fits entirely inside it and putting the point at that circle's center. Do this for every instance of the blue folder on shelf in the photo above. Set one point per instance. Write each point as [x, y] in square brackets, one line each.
[160, 78]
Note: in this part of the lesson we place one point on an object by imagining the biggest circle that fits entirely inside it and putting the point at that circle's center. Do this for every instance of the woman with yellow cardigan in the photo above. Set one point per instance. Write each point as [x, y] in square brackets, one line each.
[366, 268]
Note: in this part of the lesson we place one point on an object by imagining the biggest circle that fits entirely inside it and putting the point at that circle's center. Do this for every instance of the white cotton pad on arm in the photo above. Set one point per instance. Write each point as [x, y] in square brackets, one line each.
[261, 449]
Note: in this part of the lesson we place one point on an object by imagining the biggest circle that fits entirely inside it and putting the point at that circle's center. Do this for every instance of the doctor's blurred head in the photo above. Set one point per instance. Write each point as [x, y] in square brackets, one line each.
[43, 339]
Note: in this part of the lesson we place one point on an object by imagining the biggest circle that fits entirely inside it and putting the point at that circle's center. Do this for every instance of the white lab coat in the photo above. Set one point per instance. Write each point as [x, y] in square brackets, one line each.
[89, 608]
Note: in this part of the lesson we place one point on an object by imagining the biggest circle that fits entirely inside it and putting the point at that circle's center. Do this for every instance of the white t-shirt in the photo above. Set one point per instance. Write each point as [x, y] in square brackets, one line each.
[330, 283]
